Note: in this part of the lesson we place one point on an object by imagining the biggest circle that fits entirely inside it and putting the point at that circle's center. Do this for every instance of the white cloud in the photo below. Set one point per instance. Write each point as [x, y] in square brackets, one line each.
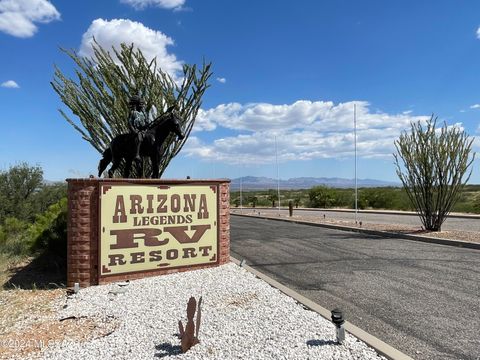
[165, 4]
[10, 84]
[305, 130]
[478, 33]
[324, 115]
[475, 106]
[203, 122]
[221, 80]
[18, 17]
[151, 42]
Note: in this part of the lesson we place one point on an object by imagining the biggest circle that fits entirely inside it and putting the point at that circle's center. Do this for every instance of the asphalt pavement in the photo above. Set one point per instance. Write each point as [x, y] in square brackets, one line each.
[421, 298]
[452, 223]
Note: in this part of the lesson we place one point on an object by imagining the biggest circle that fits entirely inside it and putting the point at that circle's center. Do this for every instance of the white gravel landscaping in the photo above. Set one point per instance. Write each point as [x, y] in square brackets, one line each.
[242, 318]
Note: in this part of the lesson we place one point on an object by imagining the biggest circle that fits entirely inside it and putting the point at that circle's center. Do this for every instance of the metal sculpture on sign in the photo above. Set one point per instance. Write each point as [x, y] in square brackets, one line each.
[145, 140]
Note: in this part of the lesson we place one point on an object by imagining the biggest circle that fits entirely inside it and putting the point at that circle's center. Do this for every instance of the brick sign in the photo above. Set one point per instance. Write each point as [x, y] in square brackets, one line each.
[148, 227]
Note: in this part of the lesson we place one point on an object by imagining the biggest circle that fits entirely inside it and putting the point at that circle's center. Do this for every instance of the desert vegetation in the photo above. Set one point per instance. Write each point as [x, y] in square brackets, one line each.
[434, 165]
[387, 198]
[99, 95]
[33, 218]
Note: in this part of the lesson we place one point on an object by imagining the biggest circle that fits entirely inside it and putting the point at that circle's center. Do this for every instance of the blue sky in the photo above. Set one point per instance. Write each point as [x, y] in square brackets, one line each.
[284, 70]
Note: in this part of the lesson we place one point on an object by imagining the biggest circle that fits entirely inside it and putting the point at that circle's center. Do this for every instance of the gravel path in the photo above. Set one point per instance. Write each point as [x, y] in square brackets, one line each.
[390, 223]
[471, 223]
[242, 317]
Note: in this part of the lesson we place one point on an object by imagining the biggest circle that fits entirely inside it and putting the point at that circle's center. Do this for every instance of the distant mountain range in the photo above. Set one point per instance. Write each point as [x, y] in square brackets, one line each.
[264, 183]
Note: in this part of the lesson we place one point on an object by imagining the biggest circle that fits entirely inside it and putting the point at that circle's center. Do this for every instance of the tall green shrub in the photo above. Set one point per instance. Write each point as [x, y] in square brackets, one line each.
[49, 231]
[433, 165]
[99, 96]
[13, 237]
[18, 186]
[24, 193]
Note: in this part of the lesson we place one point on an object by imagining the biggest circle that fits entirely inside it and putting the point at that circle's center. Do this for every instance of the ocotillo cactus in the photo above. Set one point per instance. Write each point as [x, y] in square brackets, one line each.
[188, 335]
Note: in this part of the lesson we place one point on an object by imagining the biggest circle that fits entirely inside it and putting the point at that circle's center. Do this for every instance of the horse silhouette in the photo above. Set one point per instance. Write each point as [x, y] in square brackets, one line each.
[123, 146]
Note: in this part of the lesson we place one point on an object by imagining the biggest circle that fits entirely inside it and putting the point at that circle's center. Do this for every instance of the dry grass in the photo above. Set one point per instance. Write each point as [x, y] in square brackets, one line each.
[18, 307]
[21, 314]
[241, 300]
[29, 319]
[7, 264]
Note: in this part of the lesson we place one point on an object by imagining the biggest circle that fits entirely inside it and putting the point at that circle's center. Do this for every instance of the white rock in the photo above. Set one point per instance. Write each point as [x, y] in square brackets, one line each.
[242, 317]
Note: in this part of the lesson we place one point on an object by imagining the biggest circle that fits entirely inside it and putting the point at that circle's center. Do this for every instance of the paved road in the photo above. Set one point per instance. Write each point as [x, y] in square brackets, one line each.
[423, 299]
[469, 224]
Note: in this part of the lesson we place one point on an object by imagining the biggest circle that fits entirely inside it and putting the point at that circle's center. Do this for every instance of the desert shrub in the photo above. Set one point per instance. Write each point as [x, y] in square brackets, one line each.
[47, 194]
[23, 193]
[252, 200]
[377, 198]
[13, 237]
[362, 201]
[263, 201]
[17, 185]
[434, 164]
[322, 197]
[99, 93]
[49, 231]
[272, 196]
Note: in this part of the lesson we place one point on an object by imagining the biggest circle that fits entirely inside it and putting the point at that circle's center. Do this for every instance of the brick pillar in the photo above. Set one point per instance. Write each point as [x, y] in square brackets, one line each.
[224, 239]
[82, 229]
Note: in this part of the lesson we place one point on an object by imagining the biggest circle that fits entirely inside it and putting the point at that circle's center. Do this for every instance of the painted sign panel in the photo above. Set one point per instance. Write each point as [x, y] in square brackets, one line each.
[148, 227]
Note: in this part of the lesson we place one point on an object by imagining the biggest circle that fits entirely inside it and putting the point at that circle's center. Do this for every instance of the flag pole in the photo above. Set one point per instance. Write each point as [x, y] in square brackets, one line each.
[355, 141]
[241, 204]
[278, 175]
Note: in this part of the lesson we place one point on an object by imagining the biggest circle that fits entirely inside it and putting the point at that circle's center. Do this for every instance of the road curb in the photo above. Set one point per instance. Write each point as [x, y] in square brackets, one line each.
[380, 347]
[383, 212]
[449, 242]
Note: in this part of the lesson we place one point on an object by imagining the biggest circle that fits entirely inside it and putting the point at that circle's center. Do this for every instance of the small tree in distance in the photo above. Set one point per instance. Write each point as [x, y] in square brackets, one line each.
[435, 161]
[253, 200]
[272, 196]
[322, 197]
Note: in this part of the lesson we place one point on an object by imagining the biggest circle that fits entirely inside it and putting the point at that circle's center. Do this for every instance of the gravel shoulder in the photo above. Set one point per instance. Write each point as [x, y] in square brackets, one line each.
[242, 317]
[462, 235]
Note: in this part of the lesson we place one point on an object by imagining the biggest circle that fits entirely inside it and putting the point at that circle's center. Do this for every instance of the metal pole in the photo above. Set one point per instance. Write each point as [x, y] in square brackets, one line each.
[278, 175]
[355, 140]
[241, 206]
